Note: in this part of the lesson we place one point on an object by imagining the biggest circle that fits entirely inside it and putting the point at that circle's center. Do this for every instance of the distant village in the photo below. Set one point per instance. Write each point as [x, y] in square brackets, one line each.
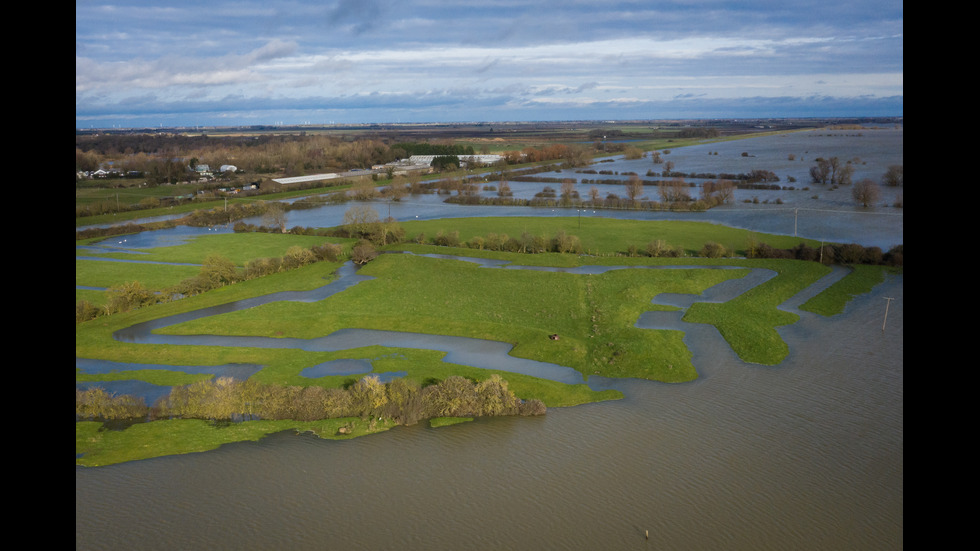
[203, 173]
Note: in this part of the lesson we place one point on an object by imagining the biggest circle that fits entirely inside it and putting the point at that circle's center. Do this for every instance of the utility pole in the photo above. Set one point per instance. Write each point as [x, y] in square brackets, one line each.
[889, 299]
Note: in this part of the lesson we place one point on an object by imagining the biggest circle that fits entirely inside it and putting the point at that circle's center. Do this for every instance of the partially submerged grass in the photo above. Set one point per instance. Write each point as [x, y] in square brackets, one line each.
[448, 421]
[832, 301]
[594, 316]
[96, 445]
[160, 268]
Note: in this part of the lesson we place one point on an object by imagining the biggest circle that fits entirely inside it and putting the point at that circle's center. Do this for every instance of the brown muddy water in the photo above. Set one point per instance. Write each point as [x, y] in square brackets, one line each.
[804, 455]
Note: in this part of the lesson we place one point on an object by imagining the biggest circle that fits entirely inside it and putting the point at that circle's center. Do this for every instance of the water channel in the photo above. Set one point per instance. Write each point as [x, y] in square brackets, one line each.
[804, 455]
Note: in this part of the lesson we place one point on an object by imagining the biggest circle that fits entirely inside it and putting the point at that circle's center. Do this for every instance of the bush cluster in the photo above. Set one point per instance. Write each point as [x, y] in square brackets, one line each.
[403, 400]
[561, 242]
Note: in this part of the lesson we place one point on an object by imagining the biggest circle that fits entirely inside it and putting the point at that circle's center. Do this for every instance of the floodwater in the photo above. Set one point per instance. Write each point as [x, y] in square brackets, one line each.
[804, 455]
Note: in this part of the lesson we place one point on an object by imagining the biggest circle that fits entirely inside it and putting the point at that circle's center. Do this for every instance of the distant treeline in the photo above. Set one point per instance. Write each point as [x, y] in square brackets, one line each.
[615, 133]
[402, 400]
[424, 148]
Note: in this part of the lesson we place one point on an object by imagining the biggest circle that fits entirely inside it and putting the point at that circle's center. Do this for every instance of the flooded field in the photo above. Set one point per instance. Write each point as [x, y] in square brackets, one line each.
[804, 455]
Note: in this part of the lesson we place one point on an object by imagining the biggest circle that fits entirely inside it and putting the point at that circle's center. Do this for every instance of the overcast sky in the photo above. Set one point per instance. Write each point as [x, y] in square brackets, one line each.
[176, 63]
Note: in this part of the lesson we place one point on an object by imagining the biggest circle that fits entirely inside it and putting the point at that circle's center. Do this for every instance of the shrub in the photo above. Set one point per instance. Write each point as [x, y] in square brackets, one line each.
[873, 255]
[447, 240]
[564, 243]
[85, 310]
[363, 252]
[659, 248]
[128, 296]
[532, 407]
[851, 253]
[218, 270]
[297, 256]
[262, 267]
[804, 252]
[97, 403]
[329, 252]
[713, 250]
[896, 256]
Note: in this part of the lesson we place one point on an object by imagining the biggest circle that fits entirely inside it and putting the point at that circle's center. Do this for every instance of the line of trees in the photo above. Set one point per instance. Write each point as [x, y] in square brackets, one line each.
[402, 400]
[849, 253]
[563, 242]
[407, 149]
[290, 155]
[216, 271]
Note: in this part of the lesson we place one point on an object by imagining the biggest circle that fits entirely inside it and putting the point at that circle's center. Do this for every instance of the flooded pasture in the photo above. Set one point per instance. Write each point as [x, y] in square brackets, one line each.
[804, 455]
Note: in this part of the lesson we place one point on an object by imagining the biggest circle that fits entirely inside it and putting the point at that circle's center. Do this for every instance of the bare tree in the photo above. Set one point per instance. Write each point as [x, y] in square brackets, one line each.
[820, 172]
[359, 220]
[866, 192]
[634, 188]
[673, 190]
[363, 252]
[275, 216]
[722, 191]
[594, 195]
[894, 176]
[568, 191]
[834, 163]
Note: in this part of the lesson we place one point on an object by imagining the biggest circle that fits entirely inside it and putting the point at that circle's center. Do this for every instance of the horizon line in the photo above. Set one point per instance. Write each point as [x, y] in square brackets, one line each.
[485, 122]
